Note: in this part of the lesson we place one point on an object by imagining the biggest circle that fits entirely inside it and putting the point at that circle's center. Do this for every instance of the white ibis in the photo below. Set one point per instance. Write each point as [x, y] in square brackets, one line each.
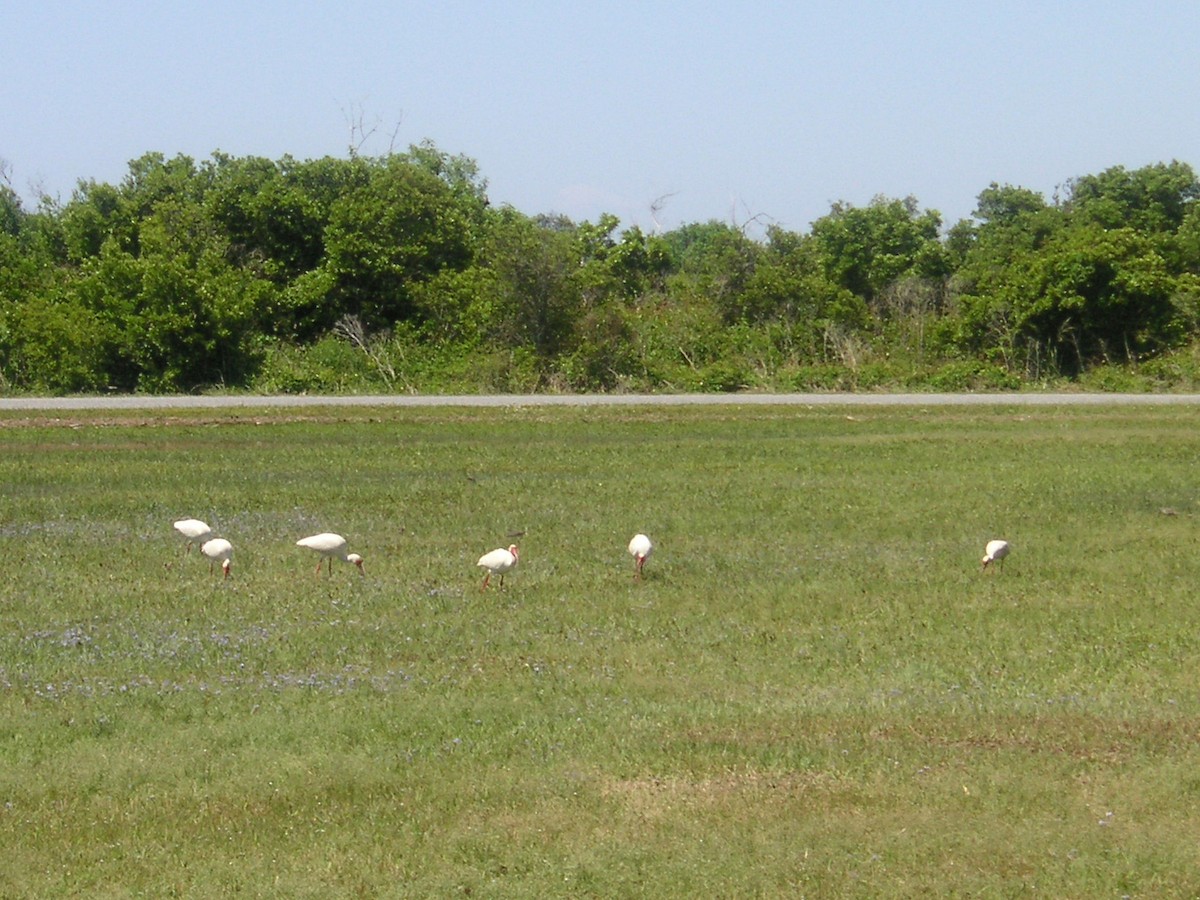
[995, 551]
[194, 531]
[218, 550]
[640, 549]
[497, 562]
[331, 547]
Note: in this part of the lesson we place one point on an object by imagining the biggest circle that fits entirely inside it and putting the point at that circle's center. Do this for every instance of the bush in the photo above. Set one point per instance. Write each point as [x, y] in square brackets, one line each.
[971, 375]
[1179, 370]
[329, 366]
[56, 347]
[814, 378]
[1113, 379]
[508, 371]
[604, 353]
[870, 376]
[720, 377]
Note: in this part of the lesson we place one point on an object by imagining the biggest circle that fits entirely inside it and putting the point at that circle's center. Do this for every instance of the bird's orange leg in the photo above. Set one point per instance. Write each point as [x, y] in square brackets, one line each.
[486, 579]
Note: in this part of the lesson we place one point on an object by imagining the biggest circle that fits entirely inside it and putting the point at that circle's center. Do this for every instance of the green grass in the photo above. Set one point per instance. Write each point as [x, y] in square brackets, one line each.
[813, 692]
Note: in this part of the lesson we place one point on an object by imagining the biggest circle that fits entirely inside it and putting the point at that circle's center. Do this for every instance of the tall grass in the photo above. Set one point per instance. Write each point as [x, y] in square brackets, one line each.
[814, 691]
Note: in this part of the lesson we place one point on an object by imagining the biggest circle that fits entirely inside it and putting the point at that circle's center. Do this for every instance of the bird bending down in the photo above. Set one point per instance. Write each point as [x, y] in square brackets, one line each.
[330, 546]
[497, 562]
[194, 531]
[995, 551]
[218, 550]
[640, 549]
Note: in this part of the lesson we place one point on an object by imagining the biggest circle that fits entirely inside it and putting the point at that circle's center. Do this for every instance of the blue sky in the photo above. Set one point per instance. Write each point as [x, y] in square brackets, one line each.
[738, 111]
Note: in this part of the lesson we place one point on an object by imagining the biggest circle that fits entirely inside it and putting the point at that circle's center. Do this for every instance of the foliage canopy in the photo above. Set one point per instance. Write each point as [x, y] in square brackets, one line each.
[234, 271]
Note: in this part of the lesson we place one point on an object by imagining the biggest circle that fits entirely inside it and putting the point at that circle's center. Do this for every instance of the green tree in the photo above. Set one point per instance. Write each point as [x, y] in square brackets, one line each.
[401, 228]
[96, 214]
[714, 261]
[1101, 293]
[864, 249]
[1152, 199]
[1184, 249]
[638, 263]
[52, 344]
[789, 285]
[458, 308]
[459, 173]
[611, 267]
[1088, 294]
[1004, 205]
[537, 302]
[11, 213]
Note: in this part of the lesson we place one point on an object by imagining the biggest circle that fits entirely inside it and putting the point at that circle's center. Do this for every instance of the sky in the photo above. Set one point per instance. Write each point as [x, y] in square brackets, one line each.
[662, 113]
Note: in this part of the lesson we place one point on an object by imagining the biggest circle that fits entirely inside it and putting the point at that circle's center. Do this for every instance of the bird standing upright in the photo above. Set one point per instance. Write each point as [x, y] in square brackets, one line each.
[218, 550]
[497, 562]
[194, 532]
[330, 546]
[640, 549]
[995, 551]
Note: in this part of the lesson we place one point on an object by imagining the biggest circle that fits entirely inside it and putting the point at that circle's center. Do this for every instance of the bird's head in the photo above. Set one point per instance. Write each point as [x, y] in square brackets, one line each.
[358, 561]
[225, 566]
[512, 548]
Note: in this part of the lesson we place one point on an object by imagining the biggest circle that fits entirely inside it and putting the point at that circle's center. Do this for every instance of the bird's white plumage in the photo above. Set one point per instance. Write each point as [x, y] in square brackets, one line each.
[330, 546]
[218, 550]
[498, 561]
[640, 548]
[327, 544]
[995, 550]
[194, 531]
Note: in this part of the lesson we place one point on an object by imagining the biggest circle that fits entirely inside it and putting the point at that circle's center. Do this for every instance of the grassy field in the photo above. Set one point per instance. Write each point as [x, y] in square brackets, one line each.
[814, 692]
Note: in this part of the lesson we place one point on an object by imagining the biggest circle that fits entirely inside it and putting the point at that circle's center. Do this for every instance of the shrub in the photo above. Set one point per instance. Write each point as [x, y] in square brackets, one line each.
[1113, 379]
[1179, 370]
[329, 366]
[58, 347]
[814, 378]
[971, 375]
[721, 377]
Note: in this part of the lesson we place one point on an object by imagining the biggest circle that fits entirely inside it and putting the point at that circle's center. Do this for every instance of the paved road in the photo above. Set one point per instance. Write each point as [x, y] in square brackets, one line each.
[299, 401]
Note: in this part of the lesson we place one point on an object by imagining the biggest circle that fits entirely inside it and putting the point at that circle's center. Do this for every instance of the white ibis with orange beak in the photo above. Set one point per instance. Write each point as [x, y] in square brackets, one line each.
[497, 562]
[640, 549]
[218, 550]
[331, 547]
[995, 551]
[194, 532]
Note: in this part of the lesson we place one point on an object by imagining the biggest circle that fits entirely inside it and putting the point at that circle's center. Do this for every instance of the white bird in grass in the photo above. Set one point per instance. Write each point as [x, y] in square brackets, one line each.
[218, 550]
[497, 562]
[995, 551]
[194, 531]
[331, 547]
[640, 549]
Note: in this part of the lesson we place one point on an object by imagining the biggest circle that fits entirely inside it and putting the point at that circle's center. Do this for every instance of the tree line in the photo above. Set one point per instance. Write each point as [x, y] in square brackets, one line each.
[396, 273]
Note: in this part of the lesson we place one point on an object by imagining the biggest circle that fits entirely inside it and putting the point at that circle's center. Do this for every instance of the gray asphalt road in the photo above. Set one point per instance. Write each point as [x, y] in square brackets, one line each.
[502, 400]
